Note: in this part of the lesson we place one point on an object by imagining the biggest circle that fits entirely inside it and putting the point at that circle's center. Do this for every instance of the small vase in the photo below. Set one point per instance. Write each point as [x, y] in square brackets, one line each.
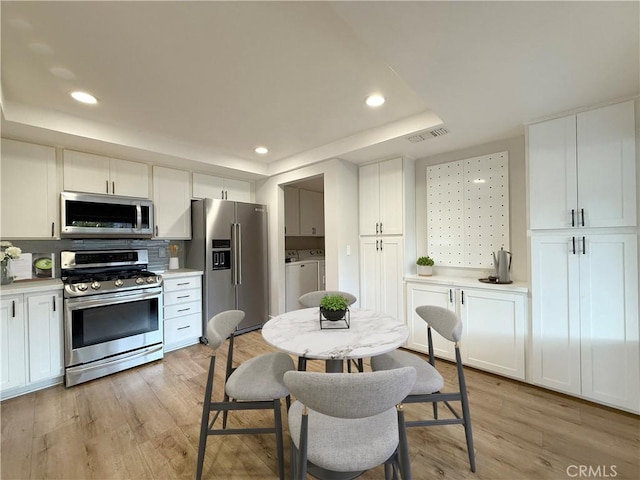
[425, 270]
[333, 315]
[5, 277]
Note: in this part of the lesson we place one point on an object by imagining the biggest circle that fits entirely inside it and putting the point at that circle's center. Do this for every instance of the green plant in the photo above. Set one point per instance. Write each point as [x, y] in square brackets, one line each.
[425, 261]
[334, 302]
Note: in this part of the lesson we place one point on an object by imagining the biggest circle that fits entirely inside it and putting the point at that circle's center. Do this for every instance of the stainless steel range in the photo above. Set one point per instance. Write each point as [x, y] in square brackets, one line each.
[112, 313]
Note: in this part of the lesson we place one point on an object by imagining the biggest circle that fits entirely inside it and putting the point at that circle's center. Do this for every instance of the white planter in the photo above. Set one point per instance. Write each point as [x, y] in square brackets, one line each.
[425, 270]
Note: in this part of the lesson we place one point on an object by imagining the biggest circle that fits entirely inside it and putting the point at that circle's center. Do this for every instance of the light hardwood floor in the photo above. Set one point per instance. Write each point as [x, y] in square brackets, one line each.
[144, 424]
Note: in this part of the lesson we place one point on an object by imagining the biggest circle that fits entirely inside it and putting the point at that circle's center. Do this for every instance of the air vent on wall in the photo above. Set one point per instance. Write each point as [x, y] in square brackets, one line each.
[422, 136]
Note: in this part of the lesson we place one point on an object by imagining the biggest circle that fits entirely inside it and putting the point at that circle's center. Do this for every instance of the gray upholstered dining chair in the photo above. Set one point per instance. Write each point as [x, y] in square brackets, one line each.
[312, 299]
[257, 384]
[429, 381]
[343, 424]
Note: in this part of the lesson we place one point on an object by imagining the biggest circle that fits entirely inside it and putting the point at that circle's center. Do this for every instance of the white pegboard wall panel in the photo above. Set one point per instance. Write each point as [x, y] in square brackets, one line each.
[468, 210]
[445, 213]
[486, 207]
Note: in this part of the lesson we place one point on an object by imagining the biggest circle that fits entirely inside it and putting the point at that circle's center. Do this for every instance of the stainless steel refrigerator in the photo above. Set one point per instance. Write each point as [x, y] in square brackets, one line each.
[229, 244]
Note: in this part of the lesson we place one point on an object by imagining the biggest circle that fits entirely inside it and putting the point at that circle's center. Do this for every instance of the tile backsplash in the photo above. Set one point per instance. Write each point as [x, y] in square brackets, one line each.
[158, 249]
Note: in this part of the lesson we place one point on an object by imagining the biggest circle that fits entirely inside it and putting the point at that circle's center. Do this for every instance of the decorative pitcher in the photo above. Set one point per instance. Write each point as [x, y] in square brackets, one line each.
[502, 265]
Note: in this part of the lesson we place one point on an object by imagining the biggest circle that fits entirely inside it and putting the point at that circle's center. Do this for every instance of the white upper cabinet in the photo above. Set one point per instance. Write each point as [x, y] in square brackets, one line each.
[582, 170]
[172, 203]
[85, 172]
[210, 186]
[382, 192]
[311, 213]
[30, 195]
[291, 211]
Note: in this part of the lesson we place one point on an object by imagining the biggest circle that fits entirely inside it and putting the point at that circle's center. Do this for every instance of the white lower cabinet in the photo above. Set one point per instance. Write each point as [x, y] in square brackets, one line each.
[494, 323]
[425, 294]
[31, 341]
[182, 311]
[381, 271]
[585, 316]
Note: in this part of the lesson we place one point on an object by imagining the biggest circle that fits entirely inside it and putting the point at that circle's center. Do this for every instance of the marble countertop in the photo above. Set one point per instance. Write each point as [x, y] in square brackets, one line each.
[370, 333]
[520, 287]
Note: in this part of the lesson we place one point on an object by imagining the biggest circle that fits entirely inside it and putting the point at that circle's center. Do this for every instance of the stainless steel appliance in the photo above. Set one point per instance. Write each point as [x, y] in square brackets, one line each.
[113, 317]
[86, 215]
[229, 244]
[304, 272]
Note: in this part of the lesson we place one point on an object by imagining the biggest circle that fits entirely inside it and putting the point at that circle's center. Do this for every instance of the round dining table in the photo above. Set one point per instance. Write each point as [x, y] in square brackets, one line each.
[365, 333]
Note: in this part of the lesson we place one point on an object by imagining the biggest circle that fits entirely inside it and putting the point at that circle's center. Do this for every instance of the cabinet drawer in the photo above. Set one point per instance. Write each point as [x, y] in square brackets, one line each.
[185, 283]
[178, 329]
[182, 296]
[181, 310]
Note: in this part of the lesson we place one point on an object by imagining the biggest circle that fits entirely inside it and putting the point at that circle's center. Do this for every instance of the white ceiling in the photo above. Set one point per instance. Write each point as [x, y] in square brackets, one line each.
[203, 83]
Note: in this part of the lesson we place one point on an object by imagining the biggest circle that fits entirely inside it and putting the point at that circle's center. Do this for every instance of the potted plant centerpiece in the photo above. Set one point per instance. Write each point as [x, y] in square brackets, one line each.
[333, 307]
[425, 266]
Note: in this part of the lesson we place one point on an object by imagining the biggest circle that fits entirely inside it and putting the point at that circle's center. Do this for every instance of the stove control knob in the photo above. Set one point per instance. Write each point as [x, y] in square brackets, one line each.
[139, 281]
[151, 279]
[82, 287]
[118, 283]
[95, 285]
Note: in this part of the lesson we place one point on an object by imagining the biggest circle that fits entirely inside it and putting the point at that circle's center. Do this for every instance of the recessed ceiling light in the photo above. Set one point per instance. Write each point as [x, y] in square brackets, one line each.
[84, 97]
[375, 100]
[261, 150]
[41, 48]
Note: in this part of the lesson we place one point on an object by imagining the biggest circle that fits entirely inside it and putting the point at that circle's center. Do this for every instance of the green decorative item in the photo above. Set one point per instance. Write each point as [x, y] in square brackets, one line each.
[334, 307]
[7, 252]
[425, 266]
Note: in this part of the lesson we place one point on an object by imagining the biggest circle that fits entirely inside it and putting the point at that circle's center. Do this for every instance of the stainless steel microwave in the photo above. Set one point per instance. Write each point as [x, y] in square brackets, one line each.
[86, 215]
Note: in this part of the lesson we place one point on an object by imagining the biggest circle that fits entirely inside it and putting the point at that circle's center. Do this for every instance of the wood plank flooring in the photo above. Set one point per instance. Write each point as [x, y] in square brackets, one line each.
[144, 424]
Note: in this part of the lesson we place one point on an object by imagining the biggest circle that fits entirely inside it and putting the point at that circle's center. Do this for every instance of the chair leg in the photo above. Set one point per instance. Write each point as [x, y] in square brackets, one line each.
[279, 441]
[403, 447]
[466, 414]
[360, 365]
[204, 425]
[348, 366]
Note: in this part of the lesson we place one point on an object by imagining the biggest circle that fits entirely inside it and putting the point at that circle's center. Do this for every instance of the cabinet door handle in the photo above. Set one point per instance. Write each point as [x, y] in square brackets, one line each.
[54, 303]
[182, 328]
[222, 194]
[13, 309]
[381, 228]
[53, 225]
[450, 295]
[380, 243]
[377, 245]
[113, 187]
[184, 296]
[184, 309]
[573, 244]
[156, 230]
[582, 215]
[376, 228]
[462, 297]
[584, 246]
[573, 221]
[180, 284]
[106, 185]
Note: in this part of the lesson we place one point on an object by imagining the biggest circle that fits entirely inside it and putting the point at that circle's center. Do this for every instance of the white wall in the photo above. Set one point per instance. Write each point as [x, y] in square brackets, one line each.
[517, 203]
[341, 226]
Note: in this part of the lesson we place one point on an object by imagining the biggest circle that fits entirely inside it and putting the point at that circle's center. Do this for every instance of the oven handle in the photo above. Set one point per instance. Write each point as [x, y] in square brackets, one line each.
[111, 361]
[138, 214]
[80, 302]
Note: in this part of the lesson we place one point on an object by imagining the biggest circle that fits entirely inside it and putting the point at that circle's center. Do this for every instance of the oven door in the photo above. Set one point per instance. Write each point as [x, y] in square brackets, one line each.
[102, 326]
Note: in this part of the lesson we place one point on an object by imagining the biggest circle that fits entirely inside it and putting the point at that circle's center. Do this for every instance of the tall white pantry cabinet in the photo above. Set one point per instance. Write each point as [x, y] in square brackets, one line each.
[387, 233]
[584, 255]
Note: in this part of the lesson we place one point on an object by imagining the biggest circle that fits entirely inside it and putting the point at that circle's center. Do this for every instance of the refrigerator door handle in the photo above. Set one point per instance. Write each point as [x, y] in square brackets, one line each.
[234, 255]
[239, 254]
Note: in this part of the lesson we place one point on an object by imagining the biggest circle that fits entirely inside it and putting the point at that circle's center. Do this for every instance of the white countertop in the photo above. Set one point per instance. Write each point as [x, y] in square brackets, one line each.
[179, 272]
[371, 333]
[520, 287]
[31, 286]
